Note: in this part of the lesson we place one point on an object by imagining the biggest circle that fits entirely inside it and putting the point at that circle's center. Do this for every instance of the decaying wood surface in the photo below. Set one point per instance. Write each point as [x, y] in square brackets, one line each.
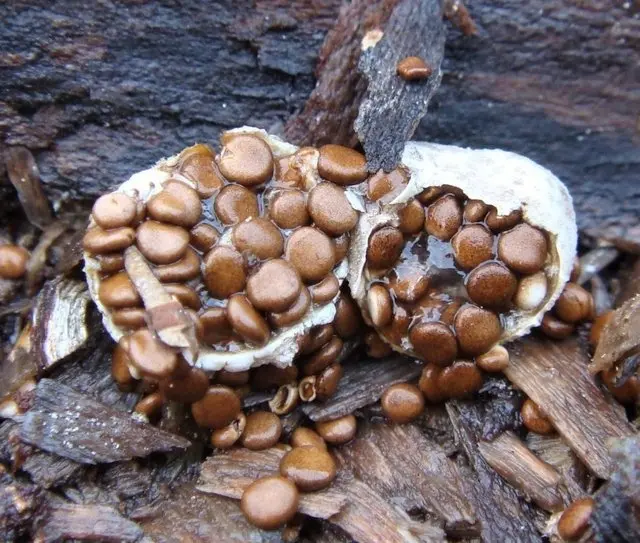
[511, 458]
[555, 376]
[554, 82]
[351, 504]
[90, 96]
[87, 522]
[427, 480]
[362, 384]
[615, 518]
[502, 511]
[72, 425]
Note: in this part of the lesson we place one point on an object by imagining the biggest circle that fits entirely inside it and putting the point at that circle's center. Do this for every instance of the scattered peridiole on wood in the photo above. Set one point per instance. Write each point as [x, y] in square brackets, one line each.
[451, 253]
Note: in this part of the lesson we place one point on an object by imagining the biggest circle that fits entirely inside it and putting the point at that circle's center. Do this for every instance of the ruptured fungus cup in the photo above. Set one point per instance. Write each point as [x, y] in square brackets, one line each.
[235, 260]
[466, 251]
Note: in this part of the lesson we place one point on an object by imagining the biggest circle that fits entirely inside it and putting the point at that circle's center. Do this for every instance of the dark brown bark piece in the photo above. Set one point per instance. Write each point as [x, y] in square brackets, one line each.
[554, 375]
[620, 337]
[393, 107]
[363, 383]
[615, 517]
[189, 515]
[515, 463]
[72, 425]
[228, 474]
[331, 109]
[406, 468]
[500, 509]
[25, 177]
[20, 504]
[86, 522]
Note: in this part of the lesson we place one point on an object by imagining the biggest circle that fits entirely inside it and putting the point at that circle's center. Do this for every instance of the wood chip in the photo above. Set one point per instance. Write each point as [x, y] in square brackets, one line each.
[331, 109]
[368, 518]
[511, 458]
[86, 522]
[554, 375]
[228, 474]
[554, 450]
[60, 301]
[25, 177]
[404, 467]
[348, 503]
[363, 383]
[500, 509]
[189, 515]
[620, 337]
[392, 107]
[38, 258]
[595, 261]
[615, 517]
[72, 425]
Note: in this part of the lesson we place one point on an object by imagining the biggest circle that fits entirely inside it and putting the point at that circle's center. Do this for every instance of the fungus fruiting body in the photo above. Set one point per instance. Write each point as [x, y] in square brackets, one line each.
[236, 260]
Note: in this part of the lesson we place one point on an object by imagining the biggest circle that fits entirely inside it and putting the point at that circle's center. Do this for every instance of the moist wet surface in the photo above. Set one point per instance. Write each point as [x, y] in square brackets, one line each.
[465, 267]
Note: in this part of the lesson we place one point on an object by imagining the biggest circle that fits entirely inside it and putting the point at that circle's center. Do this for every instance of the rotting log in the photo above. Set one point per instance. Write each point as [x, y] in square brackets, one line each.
[99, 94]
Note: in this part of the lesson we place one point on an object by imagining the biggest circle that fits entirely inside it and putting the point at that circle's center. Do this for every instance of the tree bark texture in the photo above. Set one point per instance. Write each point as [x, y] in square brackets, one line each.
[100, 93]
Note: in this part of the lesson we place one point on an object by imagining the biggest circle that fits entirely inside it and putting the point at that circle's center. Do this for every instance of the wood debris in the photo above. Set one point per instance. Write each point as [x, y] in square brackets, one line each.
[554, 375]
[363, 383]
[72, 425]
[501, 510]
[86, 522]
[620, 337]
[407, 469]
[25, 177]
[228, 474]
[511, 458]
[393, 107]
[615, 518]
[348, 503]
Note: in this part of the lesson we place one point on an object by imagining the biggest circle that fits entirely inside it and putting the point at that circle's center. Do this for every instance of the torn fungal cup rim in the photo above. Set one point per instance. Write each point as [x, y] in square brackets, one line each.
[282, 347]
[503, 179]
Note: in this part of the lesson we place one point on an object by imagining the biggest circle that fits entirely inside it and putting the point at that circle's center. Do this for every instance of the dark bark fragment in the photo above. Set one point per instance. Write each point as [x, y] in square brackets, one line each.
[393, 107]
[502, 512]
[25, 177]
[497, 409]
[536, 479]
[86, 522]
[20, 505]
[45, 470]
[620, 338]
[410, 471]
[363, 383]
[331, 109]
[615, 518]
[189, 515]
[72, 425]
[554, 375]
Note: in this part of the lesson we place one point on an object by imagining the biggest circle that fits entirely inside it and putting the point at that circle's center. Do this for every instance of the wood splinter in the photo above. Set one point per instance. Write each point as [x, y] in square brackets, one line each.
[167, 317]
